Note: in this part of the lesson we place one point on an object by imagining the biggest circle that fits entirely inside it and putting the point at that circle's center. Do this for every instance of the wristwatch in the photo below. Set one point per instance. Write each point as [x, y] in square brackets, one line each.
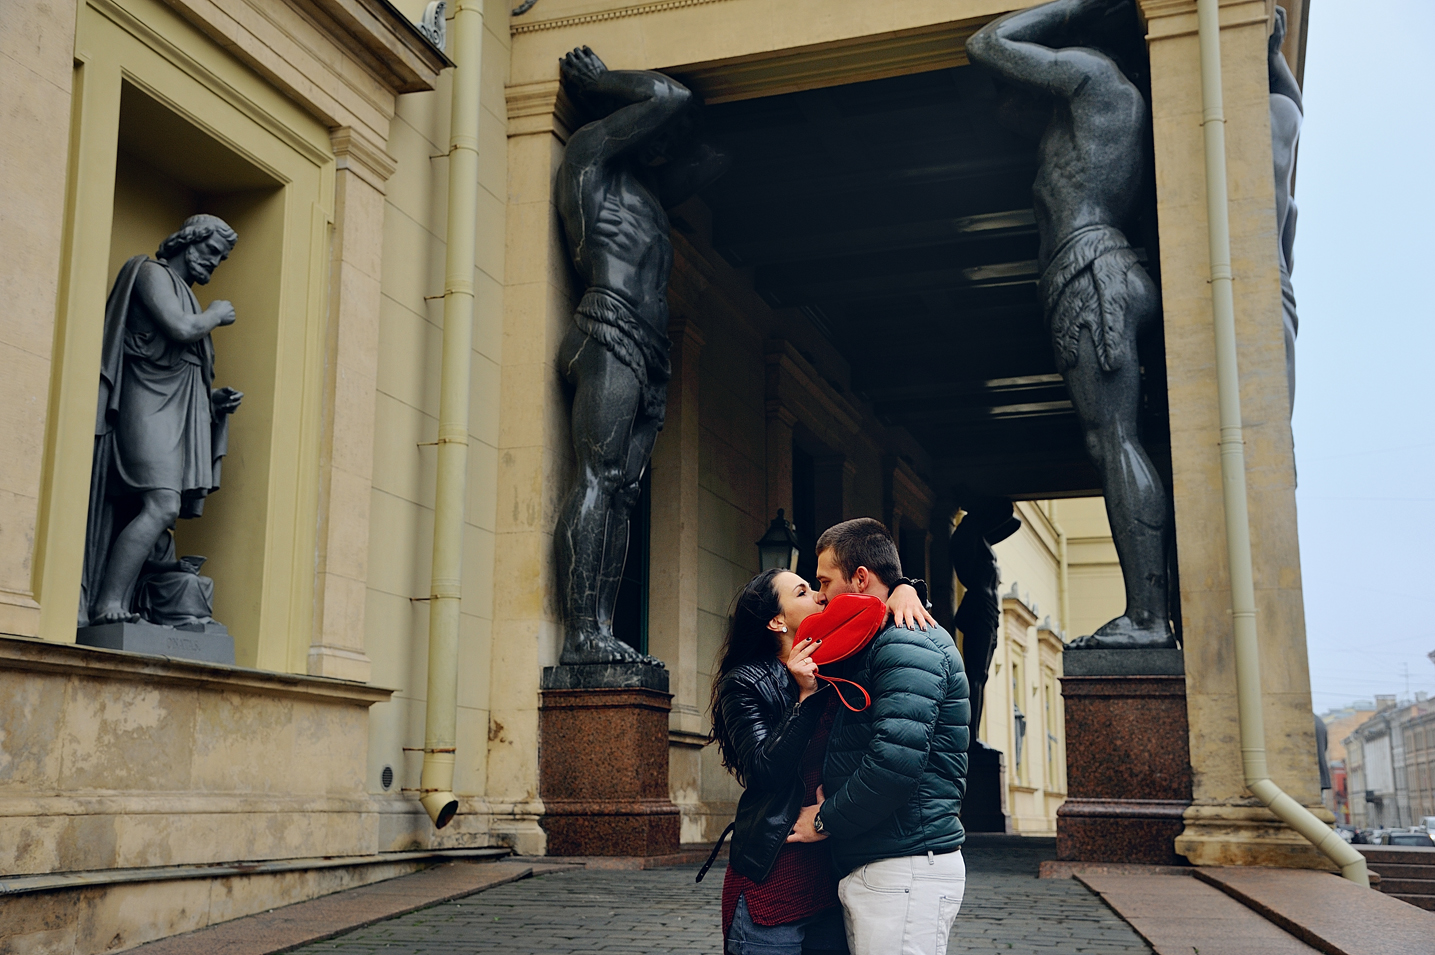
[817, 822]
[920, 586]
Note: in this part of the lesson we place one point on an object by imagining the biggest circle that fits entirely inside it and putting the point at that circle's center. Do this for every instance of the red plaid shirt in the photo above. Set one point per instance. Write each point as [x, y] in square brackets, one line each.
[801, 882]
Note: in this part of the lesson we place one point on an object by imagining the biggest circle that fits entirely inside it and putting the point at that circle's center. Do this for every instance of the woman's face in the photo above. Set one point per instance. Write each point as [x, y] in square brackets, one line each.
[798, 602]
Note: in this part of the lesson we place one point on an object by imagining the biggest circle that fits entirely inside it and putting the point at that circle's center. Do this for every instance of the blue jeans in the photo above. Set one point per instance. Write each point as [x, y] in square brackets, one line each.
[823, 932]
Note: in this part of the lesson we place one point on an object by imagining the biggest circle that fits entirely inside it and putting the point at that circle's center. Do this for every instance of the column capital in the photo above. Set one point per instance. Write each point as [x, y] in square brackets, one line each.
[684, 332]
[362, 155]
[1178, 17]
[540, 107]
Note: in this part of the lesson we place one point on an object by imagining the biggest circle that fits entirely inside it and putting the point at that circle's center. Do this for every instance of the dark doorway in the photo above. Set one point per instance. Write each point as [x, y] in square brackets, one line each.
[630, 612]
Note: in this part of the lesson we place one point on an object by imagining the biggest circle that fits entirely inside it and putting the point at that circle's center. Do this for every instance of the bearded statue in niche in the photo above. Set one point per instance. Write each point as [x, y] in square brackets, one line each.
[161, 433]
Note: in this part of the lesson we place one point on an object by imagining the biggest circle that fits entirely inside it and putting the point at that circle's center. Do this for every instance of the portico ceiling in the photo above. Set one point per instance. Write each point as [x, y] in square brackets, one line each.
[897, 214]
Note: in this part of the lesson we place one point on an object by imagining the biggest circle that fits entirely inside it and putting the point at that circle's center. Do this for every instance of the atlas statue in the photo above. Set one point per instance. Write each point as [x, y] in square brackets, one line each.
[1287, 114]
[1056, 62]
[161, 433]
[639, 154]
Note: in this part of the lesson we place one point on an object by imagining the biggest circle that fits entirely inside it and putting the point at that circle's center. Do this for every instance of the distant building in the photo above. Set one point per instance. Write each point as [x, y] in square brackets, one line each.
[1388, 764]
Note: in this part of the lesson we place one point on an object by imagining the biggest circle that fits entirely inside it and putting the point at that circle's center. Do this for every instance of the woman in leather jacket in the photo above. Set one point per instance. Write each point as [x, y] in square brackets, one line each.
[771, 718]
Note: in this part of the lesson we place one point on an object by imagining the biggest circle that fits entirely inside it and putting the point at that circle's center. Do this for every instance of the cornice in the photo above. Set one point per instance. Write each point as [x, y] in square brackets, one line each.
[793, 382]
[848, 61]
[519, 27]
[383, 39]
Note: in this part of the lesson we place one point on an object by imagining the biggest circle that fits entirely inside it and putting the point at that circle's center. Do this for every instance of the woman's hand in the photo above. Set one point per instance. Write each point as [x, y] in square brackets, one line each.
[803, 668]
[907, 610]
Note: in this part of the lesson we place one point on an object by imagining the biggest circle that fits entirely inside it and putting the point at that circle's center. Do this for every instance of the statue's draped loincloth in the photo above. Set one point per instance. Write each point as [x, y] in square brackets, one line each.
[1085, 286]
[643, 349]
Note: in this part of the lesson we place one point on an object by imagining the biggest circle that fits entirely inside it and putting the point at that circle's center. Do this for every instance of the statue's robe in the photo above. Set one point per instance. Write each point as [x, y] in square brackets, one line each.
[154, 424]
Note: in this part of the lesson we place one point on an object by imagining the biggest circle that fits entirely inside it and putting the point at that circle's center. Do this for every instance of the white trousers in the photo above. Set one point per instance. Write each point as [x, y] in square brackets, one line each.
[913, 899]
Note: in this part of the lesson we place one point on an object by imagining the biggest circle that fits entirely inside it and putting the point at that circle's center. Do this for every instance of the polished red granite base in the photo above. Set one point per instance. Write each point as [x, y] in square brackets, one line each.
[1128, 769]
[603, 772]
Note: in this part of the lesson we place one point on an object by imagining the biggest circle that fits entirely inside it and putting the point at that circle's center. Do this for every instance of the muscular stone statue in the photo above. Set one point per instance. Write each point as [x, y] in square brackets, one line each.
[1286, 116]
[1092, 123]
[637, 157]
[161, 432]
[986, 523]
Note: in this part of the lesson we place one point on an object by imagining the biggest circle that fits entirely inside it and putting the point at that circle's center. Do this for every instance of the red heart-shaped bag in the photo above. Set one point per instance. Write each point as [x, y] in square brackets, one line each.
[848, 624]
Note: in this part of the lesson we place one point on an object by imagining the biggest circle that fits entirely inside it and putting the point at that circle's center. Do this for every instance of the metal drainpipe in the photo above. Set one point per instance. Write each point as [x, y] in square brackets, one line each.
[441, 711]
[1233, 472]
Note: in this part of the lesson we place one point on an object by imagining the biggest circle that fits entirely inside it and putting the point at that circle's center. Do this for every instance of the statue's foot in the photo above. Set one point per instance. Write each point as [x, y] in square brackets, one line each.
[113, 615]
[1123, 634]
[603, 648]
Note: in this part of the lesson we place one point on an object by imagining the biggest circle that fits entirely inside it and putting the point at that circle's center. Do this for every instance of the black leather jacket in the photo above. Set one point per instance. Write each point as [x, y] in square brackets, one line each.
[770, 731]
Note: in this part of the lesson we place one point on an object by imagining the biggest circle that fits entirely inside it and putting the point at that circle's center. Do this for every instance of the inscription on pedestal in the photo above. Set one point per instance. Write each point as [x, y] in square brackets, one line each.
[210, 645]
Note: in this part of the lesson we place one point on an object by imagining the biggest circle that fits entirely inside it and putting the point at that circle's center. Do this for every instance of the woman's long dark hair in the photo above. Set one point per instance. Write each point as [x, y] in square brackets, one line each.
[747, 640]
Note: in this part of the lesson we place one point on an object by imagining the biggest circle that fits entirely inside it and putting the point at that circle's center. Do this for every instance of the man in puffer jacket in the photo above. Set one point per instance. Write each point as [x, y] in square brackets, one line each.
[895, 773]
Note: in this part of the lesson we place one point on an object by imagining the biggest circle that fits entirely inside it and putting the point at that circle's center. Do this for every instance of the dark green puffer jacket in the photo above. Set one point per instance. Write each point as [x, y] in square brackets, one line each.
[896, 772]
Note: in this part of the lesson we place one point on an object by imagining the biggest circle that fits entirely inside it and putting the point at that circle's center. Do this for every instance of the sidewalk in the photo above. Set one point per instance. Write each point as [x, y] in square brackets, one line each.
[569, 910]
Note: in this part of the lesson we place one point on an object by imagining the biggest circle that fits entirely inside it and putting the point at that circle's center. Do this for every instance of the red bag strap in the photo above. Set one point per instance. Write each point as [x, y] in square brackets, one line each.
[834, 680]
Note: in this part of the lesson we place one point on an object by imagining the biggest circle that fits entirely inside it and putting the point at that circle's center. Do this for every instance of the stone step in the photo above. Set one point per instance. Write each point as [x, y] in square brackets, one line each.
[1408, 886]
[1392, 870]
[1426, 902]
[1332, 914]
[1376, 856]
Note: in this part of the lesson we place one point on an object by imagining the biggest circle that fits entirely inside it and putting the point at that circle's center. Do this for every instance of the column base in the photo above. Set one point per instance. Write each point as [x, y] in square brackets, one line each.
[1247, 834]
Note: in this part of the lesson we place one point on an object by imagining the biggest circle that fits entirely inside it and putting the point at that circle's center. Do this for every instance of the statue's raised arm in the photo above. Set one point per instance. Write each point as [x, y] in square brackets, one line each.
[1028, 48]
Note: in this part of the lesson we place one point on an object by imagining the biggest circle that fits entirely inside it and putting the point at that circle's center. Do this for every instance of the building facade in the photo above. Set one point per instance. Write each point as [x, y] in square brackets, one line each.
[1388, 765]
[825, 358]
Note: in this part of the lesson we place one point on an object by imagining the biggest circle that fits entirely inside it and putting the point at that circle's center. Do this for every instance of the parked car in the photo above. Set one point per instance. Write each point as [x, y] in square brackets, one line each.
[1415, 838]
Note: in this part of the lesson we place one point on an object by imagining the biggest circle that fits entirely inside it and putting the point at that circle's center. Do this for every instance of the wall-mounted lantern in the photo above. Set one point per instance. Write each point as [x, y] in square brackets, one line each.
[779, 546]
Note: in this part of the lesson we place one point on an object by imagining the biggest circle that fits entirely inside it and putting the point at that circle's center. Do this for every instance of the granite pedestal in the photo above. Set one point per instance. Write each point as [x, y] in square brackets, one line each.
[211, 644]
[603, 761]
[1128, 762]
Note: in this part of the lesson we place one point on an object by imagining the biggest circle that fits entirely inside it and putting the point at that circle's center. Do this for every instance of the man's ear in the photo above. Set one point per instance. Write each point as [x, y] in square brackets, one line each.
[861, 580]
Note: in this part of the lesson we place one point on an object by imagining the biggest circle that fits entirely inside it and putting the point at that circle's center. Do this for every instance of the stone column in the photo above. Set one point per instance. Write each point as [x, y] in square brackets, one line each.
[33, 167]
[346, 456]
[780, 420]
[1225, 824]
[673, 588]
[534, 459]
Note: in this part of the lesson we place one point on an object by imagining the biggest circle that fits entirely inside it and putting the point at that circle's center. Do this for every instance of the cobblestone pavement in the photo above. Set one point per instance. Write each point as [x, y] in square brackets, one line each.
[647, 912]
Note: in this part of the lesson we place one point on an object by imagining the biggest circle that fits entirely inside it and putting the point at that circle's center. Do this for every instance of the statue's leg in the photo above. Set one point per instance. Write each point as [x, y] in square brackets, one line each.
[605, 404]
[1107, 405]
[158, 512]
[640, 451]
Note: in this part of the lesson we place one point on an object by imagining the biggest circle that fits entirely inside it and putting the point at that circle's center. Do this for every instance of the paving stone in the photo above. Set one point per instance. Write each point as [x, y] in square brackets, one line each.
[661, 911]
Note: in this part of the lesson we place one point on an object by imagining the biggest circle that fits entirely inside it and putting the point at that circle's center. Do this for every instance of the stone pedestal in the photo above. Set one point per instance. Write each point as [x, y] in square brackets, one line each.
[986, 781]
[603, 761]
[1128, 760]
[210, 645]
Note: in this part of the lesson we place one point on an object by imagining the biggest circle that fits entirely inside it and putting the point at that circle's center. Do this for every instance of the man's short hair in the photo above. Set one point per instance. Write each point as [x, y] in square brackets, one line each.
[863, 542]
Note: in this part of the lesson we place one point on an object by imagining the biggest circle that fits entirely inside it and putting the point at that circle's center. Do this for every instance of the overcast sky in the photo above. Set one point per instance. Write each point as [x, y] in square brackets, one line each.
[1365, 394]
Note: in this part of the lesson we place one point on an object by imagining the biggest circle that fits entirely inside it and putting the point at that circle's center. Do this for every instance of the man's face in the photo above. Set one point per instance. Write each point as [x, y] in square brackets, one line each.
[203, 257]
[830, 578]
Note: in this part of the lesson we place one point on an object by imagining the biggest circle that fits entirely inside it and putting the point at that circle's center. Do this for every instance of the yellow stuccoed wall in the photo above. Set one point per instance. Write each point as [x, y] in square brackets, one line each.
[400, 533]
[347, 494]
